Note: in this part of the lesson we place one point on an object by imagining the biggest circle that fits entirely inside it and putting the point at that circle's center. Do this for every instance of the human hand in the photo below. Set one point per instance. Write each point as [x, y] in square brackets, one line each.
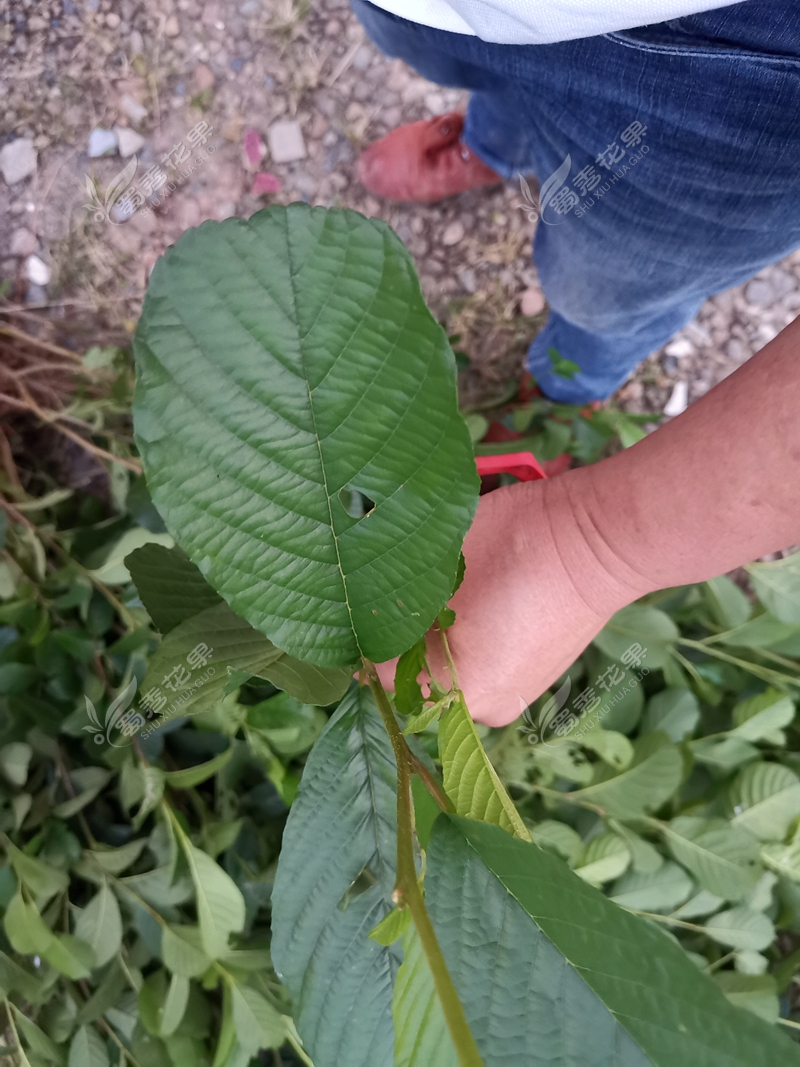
[534, 595]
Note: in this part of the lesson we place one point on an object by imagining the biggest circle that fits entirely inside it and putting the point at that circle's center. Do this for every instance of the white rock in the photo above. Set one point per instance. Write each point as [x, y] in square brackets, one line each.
[285, 139]
[37, 271]
[135, 111]
[102, 143]
[17, 160]
[737, 350]
[23, 242]
[129, 141]
[532, 301]
[679, 348]
[453, 233]
[679, 401]
[770, 288]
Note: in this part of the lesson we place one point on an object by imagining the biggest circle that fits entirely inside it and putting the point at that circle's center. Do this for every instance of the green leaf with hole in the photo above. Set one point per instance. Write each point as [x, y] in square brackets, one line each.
[286, 363]
[334, 884]
[470, 780]
[583, 980]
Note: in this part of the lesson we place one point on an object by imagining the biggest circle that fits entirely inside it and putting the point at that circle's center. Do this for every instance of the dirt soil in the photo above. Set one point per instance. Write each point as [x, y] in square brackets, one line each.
[312, 90]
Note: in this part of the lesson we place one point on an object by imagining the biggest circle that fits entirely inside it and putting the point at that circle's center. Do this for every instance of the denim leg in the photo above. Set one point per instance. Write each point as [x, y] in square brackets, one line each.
[707, 196]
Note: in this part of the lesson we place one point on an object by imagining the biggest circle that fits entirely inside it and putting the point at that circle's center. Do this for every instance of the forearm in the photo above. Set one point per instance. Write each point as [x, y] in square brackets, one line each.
[714, 488]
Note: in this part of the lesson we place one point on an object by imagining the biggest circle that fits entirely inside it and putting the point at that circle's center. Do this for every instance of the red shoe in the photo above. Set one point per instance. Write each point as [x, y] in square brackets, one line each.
[423, 161]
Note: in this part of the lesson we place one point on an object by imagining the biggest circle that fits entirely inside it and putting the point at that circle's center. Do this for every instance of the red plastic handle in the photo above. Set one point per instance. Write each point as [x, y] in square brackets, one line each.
[521, 464]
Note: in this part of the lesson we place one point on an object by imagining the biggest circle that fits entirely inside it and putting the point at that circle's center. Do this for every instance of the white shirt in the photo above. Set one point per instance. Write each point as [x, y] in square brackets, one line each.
[542, 21]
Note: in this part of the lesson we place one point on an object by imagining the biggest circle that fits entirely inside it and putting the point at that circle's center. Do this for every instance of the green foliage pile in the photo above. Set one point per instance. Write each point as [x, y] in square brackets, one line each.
[218, 842]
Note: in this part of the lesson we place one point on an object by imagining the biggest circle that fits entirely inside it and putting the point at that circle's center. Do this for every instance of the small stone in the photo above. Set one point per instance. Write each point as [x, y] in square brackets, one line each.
[767, 290]
[679, 348]
[250, 8]
[17, 160]
[759, 292]
[36, 23]
[130, 106]
[532, 301]
[37, 270]
[468, 280]
[129, 141]
[203, 77]
[23, 242]
[363, 57]
[679, 400]
[265, 183]
[737, 350]
[135, 43]
[172, 27]
[36, 294]
[434, 102]
[102, 143]
[254, 148]
[286, 144]
[112, 20]
[453, 234]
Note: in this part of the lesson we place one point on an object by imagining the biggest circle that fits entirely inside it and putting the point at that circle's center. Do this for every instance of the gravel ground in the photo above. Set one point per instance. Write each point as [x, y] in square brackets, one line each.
[312, 90]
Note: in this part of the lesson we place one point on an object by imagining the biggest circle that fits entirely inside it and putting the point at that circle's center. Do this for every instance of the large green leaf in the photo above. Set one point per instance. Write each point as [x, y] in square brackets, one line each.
[765, 798]
[723, 858]
[552, 972]
[470, 780]
[334, 884]
[290, 377]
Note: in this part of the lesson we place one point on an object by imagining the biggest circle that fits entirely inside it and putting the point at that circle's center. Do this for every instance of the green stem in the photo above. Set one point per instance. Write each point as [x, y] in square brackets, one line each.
[568, 798]
[294, 1040]
[407, 892]
[765, 673]
[669, 921]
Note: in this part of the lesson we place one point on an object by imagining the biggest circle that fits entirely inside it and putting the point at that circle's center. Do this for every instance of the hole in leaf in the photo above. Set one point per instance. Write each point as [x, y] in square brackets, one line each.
[363, 881]
[355, 503]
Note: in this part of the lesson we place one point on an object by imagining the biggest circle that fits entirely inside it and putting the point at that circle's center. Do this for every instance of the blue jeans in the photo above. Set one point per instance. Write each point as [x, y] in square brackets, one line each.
[639, 228]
